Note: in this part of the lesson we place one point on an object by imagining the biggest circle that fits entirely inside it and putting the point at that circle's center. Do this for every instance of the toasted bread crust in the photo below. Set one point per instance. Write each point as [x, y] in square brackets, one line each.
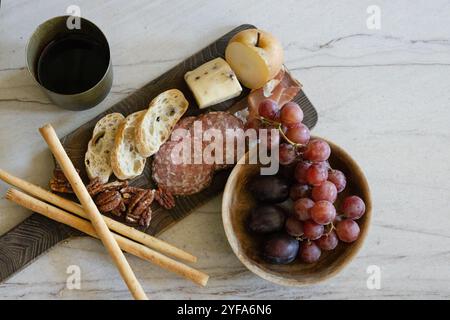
[98, 156]
[166, 109]
[124, 152]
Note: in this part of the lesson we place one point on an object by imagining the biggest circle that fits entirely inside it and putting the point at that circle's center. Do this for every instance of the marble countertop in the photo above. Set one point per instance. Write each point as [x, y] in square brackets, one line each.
[381, 93]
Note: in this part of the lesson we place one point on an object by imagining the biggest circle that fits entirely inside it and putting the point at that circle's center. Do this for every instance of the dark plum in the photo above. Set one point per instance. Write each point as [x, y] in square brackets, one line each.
[287, 172]
[266, 219]
[281, 249]
[270, 189]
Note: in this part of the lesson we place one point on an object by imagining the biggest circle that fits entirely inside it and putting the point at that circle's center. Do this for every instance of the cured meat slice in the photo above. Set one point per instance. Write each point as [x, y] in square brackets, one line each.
[173, 173]
[186, 124]
[176, 177]
[224, 122]
[285, 90]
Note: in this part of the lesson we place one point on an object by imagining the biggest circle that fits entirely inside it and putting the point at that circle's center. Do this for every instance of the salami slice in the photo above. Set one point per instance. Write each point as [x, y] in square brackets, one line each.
[186, 124]
[170, 172]
[223, 121]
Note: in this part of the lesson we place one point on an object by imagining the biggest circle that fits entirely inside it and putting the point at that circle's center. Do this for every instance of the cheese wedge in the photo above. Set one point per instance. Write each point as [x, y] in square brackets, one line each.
[213, 83]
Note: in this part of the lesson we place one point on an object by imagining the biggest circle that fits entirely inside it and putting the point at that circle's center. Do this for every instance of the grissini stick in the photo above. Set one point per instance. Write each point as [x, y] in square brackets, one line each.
[49, 135]
[114, 225]
[125, 244]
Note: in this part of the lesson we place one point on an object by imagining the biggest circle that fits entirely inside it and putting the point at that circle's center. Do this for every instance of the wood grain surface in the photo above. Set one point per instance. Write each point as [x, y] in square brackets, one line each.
[31, 238]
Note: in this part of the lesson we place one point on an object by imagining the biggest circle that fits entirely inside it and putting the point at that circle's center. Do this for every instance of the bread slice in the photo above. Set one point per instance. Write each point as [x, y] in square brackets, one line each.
[126, 162]
[155, 127]
[98, 155]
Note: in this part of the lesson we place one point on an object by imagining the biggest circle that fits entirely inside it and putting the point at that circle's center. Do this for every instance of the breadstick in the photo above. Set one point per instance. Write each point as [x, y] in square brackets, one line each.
[125, 244]
[49, 135]
[70, 206]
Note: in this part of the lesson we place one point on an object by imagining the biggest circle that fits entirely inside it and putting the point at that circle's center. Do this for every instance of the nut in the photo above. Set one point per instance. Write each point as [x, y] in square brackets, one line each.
[108, 201]
[139, 210]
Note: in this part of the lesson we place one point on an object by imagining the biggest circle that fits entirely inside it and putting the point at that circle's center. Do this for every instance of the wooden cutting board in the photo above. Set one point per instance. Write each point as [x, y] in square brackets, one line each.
[37, 234]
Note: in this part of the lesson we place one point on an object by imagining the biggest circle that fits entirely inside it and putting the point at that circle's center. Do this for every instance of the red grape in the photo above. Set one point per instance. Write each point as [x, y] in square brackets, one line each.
[302, 207]
[326, 191]
[294, 227]
[317, 150]
[316, 174]
[347, 230]
[312, 230]
[287, 153]
[299, 134]
[323, 212]
[299, 190]
[300, 171]
[328, 241]
[291, 114]
[338, 178]
[309, 252]
[353, 207]
[268, 109]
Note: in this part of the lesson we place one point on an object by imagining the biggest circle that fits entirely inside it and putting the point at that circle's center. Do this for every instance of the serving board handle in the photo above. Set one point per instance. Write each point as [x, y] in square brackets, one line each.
[28, 240]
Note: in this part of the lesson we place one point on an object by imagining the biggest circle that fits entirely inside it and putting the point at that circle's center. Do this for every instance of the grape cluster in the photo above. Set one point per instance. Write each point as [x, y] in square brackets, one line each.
[314, 225]
[288, 120]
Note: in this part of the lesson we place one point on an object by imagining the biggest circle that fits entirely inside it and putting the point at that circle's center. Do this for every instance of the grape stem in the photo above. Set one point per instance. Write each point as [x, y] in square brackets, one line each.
[331, 226]
[278, 126]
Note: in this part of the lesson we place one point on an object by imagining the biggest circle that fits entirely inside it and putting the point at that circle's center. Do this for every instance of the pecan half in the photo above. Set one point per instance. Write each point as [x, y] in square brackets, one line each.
[139, 210]
[164, 198]
[108, 201]
[59, 182]
[60, 186]
[120, 209]
[96, 186]
[146, 217]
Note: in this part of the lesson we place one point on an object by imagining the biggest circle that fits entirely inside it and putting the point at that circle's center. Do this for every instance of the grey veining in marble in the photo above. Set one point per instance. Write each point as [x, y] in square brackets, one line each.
[383, 95]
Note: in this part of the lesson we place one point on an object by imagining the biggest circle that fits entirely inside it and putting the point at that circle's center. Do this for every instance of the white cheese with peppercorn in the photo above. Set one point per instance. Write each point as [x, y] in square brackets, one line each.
[213, 83]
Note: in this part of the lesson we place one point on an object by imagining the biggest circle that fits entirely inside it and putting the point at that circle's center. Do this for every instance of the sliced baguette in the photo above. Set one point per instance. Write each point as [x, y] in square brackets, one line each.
[126, 162]
[98, 155]
[155, 127]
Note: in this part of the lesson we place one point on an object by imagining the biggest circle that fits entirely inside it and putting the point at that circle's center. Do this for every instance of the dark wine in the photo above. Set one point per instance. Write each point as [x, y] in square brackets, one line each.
[72, 64]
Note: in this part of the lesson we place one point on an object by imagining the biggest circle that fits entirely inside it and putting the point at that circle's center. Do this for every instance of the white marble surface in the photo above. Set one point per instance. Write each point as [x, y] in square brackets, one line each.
[381, 94]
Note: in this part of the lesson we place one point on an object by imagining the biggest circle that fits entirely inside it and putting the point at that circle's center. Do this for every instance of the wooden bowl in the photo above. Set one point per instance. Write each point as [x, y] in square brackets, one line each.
[236, 206]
